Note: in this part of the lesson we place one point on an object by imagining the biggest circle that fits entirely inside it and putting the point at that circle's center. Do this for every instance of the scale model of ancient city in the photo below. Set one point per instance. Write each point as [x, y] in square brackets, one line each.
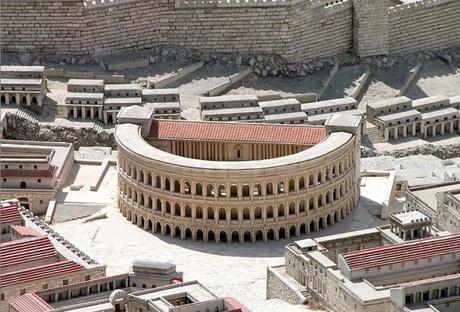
[230, 155]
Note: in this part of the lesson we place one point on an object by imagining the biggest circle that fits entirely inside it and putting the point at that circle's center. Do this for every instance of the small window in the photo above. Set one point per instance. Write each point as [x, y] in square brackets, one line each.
[2, 297]
[87, 277]
[22, 291]
[45, 286]
[20, 166]
[6, 166]
[4, 180]
[35, 166]
[39, 180]
[41, 201]
[65, 282]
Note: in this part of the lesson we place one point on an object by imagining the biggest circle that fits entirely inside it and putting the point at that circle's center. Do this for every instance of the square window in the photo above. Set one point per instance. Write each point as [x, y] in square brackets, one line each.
[39, 180]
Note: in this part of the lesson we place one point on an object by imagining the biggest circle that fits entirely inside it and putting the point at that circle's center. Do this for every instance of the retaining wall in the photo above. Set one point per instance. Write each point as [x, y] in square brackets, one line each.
[295, 29]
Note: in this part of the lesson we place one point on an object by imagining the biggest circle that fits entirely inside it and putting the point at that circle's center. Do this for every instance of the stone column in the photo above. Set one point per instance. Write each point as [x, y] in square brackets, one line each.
[75, 112]
[105, 117]
[386, 134]
[451, 127]
[414, 128]
[7, 98]
[404, 134]
[91, 112]
[83, 112]
[443, 125]
[395, 133]
[433, 134]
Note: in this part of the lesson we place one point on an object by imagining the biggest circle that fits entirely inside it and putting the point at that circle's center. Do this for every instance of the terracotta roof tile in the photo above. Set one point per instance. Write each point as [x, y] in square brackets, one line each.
[9, 214]
[26, 250]
[29, 302]
[62, 268]
[386, 255]
[237, 132]
[24, 231]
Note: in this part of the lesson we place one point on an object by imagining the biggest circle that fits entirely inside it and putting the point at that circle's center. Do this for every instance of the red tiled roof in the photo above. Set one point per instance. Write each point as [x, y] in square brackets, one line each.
[9, 214]
[237, 132]
[9, 173]
[48, 271]
[29, 302]
[26, 250]
[385, 255]
[24, 231]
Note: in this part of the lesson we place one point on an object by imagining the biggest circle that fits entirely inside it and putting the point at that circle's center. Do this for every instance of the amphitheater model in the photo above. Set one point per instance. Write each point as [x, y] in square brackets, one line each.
[236, 182]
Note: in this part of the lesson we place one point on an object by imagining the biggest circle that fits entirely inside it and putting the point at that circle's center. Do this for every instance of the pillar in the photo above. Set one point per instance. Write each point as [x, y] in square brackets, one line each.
[91, 112]
[404, 134]
[395, 133]
[414, 128]
[433, 134]
[75, 112]
[83, 112]
[386, 134]
[451, 127]
[443, 125]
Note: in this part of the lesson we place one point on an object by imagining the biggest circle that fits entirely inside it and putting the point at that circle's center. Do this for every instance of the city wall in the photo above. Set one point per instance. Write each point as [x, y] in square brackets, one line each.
[297, 30]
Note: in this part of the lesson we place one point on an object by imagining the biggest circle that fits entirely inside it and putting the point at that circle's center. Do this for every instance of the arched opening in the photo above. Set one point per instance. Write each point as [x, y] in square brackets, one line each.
[188, 211]
[234, 214]
[281, 210]
[24, 100]
[176, 186]
[247, 236]
[235, 237]
[246, 214]
[329, 220]
[281, 187]
[269, 212]
[222, 191]
[209, 190]
[167, 184]
[257, 190]
[292, 208]
[271, 234]
[210, 213]
[23, 185]
[199, 189]
[301, 183]
[336, 216]
[141, 223]
[282, 233]
[168, 208]
[269, 188]
[13, 100]
[320, 200]
[233, 190]
[291, 185]
[292, 232]
[199, 212]
[177, 232]
[211, 236]
[259, 236]
[2, 99]
[303, 229]
[176, 210]
[223, 237]
[258, 213]
[245, 190]
[167, 230]
[319, 180]
[158, 182]
[321, 223]
[158, 227]
[222, 214]
[199, 235]
[149, 225]
[312, 226]
[158, 205]
[34, 100]
[188, 233]
[187, 188]
[302, 206]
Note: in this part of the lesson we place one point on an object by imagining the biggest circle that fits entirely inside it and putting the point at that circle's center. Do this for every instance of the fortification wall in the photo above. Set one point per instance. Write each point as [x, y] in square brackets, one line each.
[297, 30]
[426, 24]
[42, 26]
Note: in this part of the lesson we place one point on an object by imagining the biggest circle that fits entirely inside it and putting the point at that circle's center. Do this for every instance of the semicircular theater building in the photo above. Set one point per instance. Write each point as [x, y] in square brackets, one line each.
[235, 182]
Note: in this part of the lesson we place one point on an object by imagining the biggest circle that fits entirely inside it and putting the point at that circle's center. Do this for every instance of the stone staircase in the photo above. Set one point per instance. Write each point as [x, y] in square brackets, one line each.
[28, 115]
[98, 126]
[374, 135]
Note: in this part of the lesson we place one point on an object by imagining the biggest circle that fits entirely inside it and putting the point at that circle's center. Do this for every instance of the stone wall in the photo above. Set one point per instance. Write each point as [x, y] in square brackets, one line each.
[279, 288]
[297, 30]
[19, 128]
[425, 25]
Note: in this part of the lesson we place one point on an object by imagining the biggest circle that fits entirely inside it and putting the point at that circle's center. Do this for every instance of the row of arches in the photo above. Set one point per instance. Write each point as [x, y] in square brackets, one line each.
[299, 207]
[235, 235]
[23, 100]
[240, 190]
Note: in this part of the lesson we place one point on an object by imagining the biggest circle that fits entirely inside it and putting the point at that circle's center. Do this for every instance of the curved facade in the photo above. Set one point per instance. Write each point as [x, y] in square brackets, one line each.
[236, 201]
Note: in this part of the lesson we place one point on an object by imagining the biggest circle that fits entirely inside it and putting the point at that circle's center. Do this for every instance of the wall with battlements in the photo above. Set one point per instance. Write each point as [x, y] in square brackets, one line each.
[295, 29]
[427, 24]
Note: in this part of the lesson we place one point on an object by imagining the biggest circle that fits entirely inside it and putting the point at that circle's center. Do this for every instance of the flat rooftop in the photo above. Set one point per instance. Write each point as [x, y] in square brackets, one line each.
[329, 103]
[27, 69]
[84, 96]
[123, 101]
[286, 116]
[124, 87]
[171, 91]
[440, 113]
[237, 132]
[279, 103]
[401, 115]
[401, 100]
[229, 98]
[233, 111]
[86, 82]
[21, 81]
[427, 195]
[410, 217]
